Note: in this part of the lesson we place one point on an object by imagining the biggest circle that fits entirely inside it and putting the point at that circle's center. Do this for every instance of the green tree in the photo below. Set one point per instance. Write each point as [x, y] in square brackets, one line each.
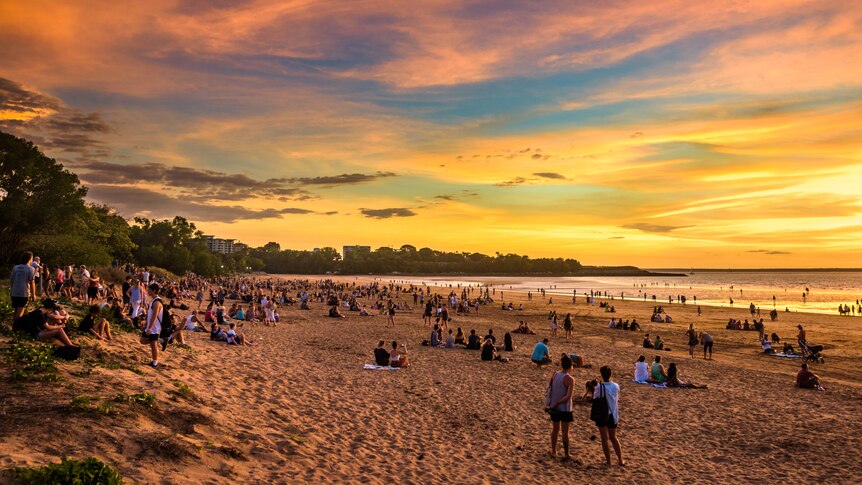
[36, 194]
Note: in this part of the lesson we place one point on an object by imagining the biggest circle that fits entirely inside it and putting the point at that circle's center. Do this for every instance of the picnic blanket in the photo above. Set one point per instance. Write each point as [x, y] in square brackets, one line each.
[379, 367]
[658, 386]
[788, 356]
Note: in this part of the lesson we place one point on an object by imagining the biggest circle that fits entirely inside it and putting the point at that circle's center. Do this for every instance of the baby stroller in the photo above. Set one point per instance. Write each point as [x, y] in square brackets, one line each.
[811, 352]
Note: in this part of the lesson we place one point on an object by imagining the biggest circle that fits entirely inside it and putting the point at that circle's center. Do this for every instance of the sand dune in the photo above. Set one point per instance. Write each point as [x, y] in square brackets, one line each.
[297, 407]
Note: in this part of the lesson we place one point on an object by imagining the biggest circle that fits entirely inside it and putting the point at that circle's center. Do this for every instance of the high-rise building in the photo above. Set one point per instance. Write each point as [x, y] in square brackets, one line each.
[219, 245]
[355, 249]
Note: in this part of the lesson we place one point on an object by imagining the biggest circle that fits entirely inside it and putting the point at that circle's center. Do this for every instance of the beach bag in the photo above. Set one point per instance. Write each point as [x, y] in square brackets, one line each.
[67, 352]
[599, 413]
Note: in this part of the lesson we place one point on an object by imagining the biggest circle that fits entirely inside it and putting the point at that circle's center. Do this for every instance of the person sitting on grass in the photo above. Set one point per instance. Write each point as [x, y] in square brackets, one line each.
[398, 356]
[381, 355]
[541, 354]
[657, 372]
[43, 323]
[119, 315]
[95, 325]
[805, 379]
[673, 379]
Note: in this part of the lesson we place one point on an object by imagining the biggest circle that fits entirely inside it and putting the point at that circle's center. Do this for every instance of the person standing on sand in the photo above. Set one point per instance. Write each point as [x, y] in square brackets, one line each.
[390, 320]
[558, 404]
[692, 340]
[609, 391]
[153, 327]
[706, 340]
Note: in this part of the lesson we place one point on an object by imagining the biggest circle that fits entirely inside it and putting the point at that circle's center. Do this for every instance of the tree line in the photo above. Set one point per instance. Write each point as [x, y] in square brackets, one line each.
[43, 209]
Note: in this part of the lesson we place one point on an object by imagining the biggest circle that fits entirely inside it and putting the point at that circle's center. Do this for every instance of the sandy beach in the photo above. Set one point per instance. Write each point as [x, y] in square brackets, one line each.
[298, 407]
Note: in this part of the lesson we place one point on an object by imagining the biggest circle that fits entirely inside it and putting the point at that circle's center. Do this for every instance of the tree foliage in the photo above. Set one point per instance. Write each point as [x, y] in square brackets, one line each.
[37, 195]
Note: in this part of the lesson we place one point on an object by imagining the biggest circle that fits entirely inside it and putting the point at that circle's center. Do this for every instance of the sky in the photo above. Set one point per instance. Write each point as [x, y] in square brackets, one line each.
[667, 133]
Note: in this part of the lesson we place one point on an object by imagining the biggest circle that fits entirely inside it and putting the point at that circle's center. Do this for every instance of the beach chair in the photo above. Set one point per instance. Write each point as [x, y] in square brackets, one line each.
[811, 353]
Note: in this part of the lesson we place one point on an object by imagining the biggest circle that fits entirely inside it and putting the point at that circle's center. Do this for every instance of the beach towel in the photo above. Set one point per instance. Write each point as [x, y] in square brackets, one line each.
[379, 367]
[788, 356]
[659, 386]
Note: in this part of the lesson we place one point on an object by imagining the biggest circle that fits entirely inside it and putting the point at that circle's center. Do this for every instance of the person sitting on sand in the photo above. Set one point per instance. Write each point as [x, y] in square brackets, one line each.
[657, 343]
[766, 345]
[641, 370]
[635, 326]
[94, 325]
[236, 338]
[508, 346]
[193, 323]
[450, 340]
[398, 356]
[459, 337]
[217, 334]
[304, 305]
[435, 340]
[381, 355]
[805, 379]
[489, 351]
[473, 341]
[43, 323]
[647, 344]
[657, 372]
[673, 379]
[334, 313]
[541, 354]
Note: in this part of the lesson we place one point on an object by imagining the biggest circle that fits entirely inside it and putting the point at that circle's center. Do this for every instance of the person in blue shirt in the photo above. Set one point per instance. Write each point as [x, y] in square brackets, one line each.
[541, 355]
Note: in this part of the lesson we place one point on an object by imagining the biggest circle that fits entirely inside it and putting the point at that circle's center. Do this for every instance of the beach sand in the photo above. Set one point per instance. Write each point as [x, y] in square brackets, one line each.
[298, 407]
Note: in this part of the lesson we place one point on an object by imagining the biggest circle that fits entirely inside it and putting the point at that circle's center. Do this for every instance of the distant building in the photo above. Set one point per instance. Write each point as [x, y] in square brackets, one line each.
[237, 247]
[355, 249]
[219, 245]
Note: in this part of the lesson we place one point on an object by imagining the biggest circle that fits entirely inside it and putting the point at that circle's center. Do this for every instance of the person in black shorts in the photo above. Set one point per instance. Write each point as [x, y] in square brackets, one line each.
[558, 404]
[706, 340]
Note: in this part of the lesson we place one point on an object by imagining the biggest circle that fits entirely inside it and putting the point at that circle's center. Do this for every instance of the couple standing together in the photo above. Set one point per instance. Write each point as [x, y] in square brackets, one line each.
[605, 409]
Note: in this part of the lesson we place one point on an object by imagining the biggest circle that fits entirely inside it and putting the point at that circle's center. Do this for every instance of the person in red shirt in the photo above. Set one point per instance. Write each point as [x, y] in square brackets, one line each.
[806, 379]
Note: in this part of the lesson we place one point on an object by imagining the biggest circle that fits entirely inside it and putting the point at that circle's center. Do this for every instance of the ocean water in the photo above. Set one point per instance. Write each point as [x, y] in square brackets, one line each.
[823, 290]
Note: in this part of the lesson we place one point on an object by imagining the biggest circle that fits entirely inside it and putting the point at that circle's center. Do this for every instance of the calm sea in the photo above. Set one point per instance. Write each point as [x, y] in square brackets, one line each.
[825, 290]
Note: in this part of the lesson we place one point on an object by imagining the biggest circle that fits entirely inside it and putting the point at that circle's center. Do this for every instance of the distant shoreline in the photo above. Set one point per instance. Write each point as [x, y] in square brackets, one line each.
[760, 270]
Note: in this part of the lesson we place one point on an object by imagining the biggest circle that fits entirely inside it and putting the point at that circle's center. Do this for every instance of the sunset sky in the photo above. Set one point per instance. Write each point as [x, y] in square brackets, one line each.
[658, 134]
